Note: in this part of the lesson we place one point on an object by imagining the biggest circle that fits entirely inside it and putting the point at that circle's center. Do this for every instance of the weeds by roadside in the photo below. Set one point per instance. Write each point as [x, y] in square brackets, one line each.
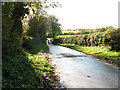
[29, 70]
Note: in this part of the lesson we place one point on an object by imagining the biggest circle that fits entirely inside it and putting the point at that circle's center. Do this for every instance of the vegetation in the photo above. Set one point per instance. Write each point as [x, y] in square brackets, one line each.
[103, 53]
[34, 45]
[106, 38]
[55, 26]
[12, 32]
[43, 26]
[29, 70]
[23, 41]
[103, 43]
[63, 36]
[85, 31]
[15, 26]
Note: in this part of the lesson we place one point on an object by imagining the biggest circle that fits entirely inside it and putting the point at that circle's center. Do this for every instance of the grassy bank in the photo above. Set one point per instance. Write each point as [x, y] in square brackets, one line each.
[103, 53]
[29, 70]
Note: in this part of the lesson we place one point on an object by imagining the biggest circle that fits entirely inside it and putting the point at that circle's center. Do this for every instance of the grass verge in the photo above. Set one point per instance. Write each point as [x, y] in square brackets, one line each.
[103, 53]
[29, 70]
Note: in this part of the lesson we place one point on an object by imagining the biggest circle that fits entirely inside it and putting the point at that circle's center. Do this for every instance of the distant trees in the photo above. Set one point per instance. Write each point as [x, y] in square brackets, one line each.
[55, 26]
[38, 27]
[102, 29]
[86, 31]
[43, 25]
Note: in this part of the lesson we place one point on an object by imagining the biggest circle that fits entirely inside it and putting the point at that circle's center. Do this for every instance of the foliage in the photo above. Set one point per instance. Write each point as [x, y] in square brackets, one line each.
[107, 38]
[34, 45]
[115, 40]
[55, 26]
[85, 31]
[38, 27]
[28, 71]
[21, 67]
[41, 26]
[39, 8]
[12, 13]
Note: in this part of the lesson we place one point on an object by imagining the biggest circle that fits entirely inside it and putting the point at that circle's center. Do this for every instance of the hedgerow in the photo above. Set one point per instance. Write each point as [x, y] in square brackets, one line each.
[107, 38]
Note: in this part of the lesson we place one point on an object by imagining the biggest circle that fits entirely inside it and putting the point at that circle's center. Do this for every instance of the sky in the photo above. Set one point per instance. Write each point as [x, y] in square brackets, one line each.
[87, 14]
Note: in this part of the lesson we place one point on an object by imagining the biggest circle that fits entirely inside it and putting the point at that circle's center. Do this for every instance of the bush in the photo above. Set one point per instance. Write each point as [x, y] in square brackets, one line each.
[27, 42]
[115, 40]
[107, 38]
[34, 45]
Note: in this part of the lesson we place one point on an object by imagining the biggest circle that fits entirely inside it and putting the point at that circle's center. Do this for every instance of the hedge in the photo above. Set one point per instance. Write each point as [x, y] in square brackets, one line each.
[107, 38]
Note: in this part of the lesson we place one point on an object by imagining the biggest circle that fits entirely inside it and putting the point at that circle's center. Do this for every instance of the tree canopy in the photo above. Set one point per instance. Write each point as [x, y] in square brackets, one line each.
[13, 27]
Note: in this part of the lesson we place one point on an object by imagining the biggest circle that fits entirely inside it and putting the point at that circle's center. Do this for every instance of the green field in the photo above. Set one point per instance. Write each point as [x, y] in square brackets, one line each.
[63, 36]
[63, 31]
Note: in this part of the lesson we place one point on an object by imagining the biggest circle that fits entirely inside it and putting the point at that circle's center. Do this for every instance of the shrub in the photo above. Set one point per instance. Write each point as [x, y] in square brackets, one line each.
[115, 40]
[107, 38]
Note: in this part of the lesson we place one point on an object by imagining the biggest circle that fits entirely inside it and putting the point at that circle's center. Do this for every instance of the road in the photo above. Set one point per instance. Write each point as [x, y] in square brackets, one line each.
[78, 70]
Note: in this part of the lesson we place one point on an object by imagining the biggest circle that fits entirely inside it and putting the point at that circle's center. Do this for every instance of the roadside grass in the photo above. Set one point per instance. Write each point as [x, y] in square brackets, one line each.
[63, 36]
[104, 53]
[29, 70]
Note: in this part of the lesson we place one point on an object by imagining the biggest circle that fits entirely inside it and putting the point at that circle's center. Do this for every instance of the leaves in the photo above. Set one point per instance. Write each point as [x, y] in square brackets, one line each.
[106, 38]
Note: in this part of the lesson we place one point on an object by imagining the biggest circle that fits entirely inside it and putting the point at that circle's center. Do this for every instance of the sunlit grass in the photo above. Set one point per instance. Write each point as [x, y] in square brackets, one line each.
[63, 36]
[102, 52]
[29, 70]
[70, 32]
[93, 50]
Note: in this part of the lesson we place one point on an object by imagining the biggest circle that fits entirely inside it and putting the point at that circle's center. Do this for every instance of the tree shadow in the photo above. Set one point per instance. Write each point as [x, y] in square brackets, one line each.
[35, 45]
[22, 72]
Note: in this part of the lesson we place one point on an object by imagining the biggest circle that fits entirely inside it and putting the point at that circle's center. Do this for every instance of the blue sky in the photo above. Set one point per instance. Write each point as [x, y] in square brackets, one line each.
[76, 14]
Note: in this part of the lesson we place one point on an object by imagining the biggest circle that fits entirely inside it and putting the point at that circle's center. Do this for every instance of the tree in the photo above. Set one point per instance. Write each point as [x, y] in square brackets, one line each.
[38, 27]
[38, 19]
[102, 29]
[109, 28]
[115, 39]
[12, 14]
[55, 26]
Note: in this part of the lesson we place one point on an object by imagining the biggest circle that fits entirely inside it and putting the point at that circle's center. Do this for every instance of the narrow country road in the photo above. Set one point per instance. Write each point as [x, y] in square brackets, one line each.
[77, 70]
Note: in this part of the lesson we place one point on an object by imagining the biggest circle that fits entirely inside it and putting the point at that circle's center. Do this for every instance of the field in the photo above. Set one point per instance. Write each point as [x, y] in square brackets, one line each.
[70, 32]
[63, 36]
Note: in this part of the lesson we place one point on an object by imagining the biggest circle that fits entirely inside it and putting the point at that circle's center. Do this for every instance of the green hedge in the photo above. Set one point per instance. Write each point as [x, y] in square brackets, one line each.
[107, 38]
